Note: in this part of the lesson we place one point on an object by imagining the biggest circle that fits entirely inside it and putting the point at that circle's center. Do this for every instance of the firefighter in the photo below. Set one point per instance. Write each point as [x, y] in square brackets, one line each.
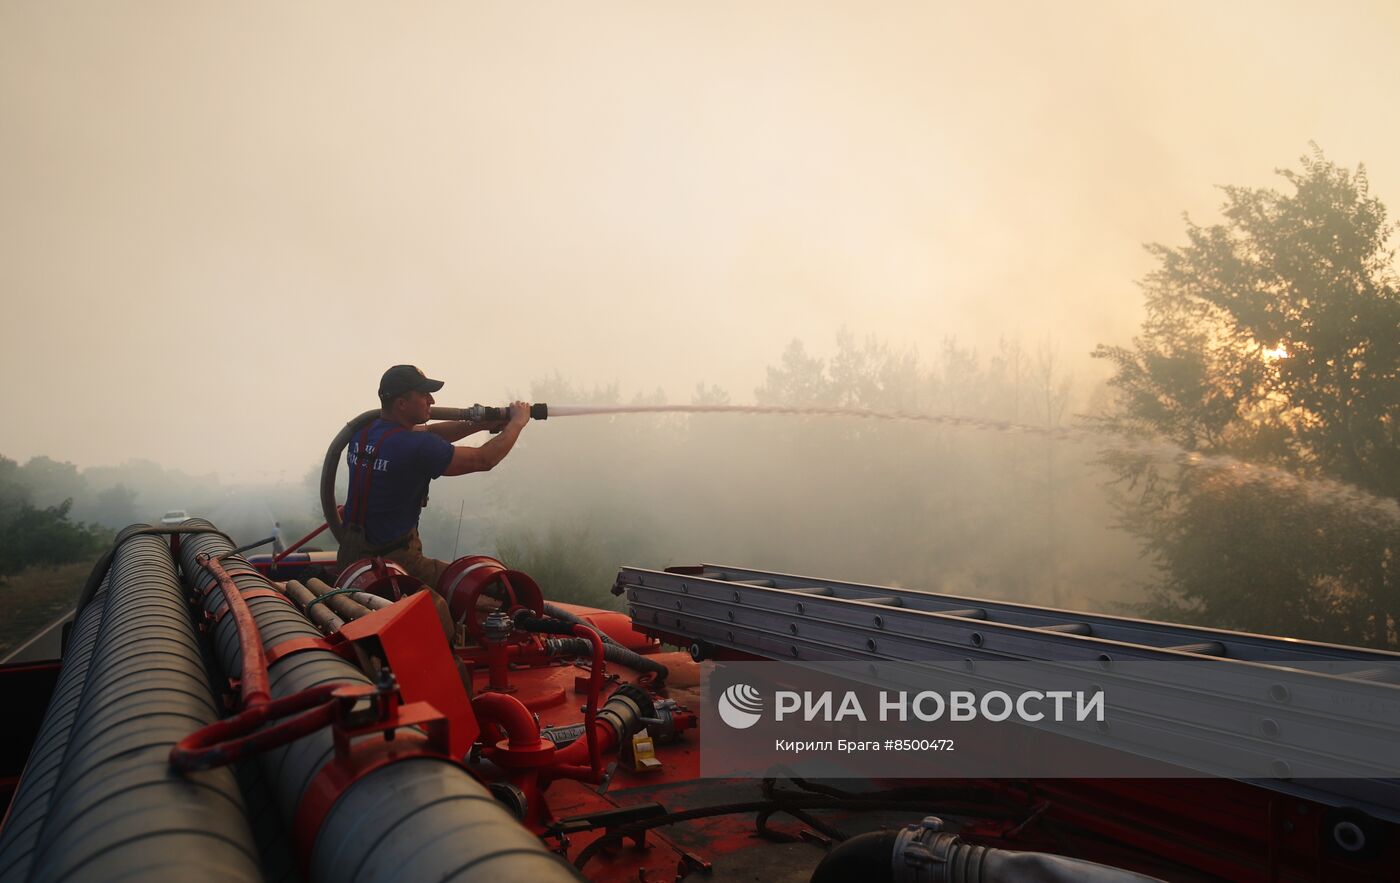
[392, 460]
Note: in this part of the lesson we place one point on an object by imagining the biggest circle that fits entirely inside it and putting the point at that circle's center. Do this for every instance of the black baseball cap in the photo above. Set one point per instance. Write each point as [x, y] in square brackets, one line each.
[405, 378]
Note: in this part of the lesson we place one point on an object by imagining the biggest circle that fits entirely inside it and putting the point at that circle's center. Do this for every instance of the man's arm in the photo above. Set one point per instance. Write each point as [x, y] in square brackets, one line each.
[456, 430]
[485, 458]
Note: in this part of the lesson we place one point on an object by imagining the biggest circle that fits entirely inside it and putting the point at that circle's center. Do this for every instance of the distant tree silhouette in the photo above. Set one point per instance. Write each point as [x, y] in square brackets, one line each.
[1273, 337]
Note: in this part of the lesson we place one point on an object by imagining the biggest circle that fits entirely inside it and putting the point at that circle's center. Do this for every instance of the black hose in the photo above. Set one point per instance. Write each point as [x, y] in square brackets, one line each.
[31, 802]
[558, 612]
[1010, 866]
[117, 810]
[545, 626]
[331, 463]
[582, 647]
[876, 858]
[419, 818]
[785, 803]
[99, 570]
[865, 857]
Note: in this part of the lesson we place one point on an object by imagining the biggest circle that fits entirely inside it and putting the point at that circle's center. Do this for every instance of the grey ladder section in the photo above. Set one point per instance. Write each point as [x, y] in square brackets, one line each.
[797, 618]
[950, 626]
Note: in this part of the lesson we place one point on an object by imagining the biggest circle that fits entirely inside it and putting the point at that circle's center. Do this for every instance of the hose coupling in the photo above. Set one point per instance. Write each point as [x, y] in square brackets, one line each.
[925, 853]
[498, 627]
[626, 710]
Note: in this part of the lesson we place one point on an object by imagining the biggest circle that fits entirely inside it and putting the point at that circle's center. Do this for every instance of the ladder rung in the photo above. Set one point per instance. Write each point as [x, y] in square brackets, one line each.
[966, 613]
[809, 590]
[1382, 675]
[1205, 648]
[762, 583]
[887, 600]
[1069, 628]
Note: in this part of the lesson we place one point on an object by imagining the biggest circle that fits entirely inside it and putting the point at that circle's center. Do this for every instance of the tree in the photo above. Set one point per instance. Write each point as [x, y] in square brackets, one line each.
[1272, 337]
[46, 536]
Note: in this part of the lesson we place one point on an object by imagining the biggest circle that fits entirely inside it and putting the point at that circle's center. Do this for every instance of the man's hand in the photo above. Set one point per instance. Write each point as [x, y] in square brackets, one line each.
[485, 458]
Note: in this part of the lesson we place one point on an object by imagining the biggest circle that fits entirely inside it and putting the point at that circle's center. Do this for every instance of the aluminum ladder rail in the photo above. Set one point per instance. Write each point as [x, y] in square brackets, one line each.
[960, 626]
[798, 618]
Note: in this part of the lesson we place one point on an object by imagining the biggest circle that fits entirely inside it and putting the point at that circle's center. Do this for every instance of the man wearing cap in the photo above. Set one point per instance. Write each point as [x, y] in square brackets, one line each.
[393, 459]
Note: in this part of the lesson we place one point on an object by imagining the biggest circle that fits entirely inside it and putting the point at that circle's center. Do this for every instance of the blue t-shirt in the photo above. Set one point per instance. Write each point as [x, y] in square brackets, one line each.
[401, 464]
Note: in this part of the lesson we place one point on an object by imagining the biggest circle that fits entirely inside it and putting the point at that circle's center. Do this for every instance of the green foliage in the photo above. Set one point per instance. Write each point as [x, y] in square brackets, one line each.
[37, 529]
[46, 536]
[1273, 337]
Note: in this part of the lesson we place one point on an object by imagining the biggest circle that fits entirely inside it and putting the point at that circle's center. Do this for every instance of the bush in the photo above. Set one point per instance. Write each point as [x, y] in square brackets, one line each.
[46, 536]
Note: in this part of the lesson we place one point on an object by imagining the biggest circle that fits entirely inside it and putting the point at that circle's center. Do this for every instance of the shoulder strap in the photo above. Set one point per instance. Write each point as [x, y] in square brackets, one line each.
[364, 475]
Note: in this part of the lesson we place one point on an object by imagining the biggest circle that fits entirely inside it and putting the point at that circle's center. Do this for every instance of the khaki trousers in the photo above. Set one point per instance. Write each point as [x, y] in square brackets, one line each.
[408, 554]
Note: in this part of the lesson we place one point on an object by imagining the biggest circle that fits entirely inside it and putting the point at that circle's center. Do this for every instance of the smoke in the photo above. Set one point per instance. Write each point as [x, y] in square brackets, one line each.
[216, 211]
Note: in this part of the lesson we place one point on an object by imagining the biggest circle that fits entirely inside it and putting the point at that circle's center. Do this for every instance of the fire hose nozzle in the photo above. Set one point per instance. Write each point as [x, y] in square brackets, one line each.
[483, 413]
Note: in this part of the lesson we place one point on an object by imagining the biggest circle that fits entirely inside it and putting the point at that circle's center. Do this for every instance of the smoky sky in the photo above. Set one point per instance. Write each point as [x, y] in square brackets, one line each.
[220, 222]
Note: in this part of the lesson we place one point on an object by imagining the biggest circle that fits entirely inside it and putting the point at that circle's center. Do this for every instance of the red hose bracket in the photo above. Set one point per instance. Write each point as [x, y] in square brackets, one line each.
[306, 642]
[356, 756]
[246, 733]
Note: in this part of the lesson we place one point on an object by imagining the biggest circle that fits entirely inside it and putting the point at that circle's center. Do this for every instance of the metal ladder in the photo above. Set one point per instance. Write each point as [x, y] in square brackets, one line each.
[733, 607]
[731, 612]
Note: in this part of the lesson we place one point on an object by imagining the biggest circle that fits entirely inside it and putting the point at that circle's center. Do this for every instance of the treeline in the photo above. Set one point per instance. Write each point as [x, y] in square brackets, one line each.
[53, 513]
[31, 534]
[1271, 337]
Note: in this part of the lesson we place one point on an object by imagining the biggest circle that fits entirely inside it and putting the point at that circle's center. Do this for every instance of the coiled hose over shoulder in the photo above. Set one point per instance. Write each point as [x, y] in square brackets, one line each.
[331, 463]
[415, 819]
[116, 810]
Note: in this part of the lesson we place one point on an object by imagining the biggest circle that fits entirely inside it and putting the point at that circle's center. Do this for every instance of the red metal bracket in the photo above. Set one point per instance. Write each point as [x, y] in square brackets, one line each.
[251, 593]
[348, 766]
[408, 634]
[307, 642]
[245, 734]
[230, 574]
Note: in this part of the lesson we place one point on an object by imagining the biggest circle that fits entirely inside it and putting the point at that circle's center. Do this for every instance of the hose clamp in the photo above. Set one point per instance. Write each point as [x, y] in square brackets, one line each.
[922, 853]
[498, 627]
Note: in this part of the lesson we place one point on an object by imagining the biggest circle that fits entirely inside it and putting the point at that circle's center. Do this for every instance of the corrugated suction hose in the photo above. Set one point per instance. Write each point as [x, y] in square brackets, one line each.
[31, 801]
[116, 810]
[415, 819]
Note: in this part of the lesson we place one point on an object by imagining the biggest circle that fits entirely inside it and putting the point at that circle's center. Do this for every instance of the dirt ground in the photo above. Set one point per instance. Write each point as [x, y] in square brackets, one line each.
[33, 598]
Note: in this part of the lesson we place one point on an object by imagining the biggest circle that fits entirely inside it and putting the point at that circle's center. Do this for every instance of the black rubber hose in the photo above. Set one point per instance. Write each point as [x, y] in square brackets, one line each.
[1009, 866]
[99, 570]
[416, 819]
[580, 647]
[865, 857]
[31, 802]
[547, 626]
[558, 612]
[117, 810]
[870, 858]
[331, 463]
[274, 841]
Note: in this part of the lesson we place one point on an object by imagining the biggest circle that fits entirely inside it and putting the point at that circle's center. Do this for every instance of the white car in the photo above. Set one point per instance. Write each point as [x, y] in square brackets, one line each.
[174, 516]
